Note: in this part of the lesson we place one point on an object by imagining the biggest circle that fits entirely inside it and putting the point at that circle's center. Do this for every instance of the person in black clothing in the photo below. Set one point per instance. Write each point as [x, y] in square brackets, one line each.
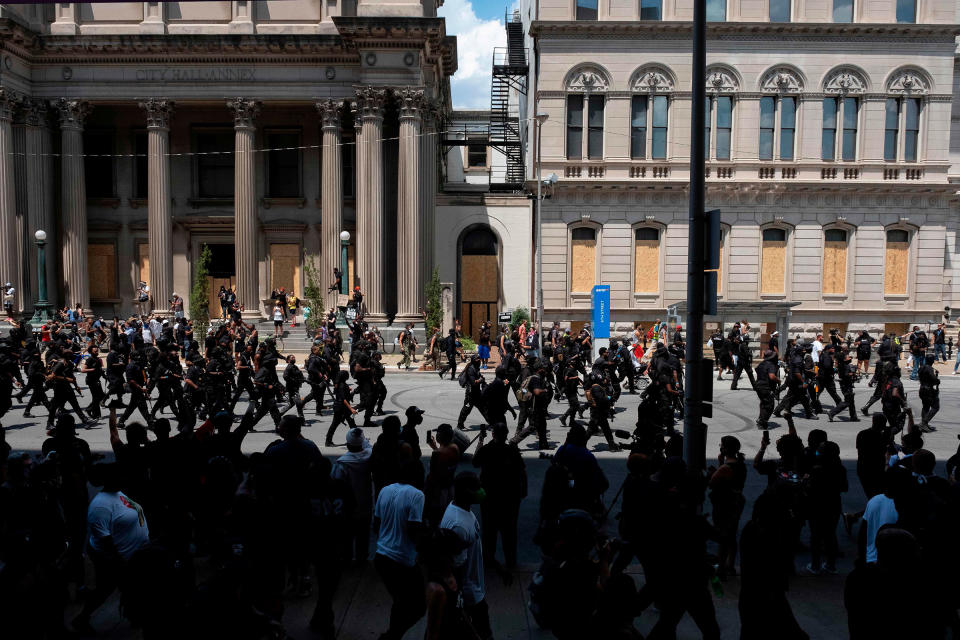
[826, 482]
[136, 383]
[366, 387]
[267, 385]
[63, 380]
[744, 361]
[825, 373]
[726, 496]
[599, 414]
[317, 378]
[929, 392]
[379, 389]
[918, 349]
[343, 411]
[810, 377]
[36, 377]
[473, 391]
[847, 374]
[244, 375]
[940, 343]
[93, 374]
[293, 379]
[864, 344]
[796, 385]
[571, 384]
[496, 397]
[450, 348]
[894, 400]
[168, 376]
[503, 476]
[767, 382]
[536, 399]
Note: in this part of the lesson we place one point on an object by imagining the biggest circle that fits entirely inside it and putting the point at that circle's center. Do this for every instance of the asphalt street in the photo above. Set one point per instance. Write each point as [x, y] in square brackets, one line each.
[817, 601]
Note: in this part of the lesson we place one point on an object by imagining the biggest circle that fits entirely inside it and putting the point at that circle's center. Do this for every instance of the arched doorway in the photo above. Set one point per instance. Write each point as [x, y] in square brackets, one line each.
[479, 279]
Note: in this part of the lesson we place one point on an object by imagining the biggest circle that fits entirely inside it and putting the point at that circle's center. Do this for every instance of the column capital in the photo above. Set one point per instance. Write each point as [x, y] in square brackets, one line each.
[72, 112]
[410, 102]
[159, 111]
[370, 102]
[329, 110]
[245, 111]
[10, 102]
[34, 112]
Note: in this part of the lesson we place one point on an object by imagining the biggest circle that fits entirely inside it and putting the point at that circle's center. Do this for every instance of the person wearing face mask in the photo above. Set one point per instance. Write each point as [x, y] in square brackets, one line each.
[468, 562]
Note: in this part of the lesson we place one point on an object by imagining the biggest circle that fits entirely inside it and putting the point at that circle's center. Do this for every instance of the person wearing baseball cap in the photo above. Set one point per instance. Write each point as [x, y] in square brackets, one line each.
[408, 433]
[356, 470]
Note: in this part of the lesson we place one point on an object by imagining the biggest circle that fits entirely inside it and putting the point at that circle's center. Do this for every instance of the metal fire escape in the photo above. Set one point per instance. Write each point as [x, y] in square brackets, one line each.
[510, 69]
[502, 131]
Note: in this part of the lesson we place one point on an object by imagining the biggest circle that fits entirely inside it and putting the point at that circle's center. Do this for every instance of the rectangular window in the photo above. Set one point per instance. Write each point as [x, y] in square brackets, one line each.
[476, 155]
[911, 129]
[716, 10]
[215, 163]
[724, 126]
[595, 128]
[98, 152]
[646, 260]
[583, 259]
[283, 164]
[140, 164]
[891, 128]
[650, 9]
[895, 262]
[773, 262]
[768, 115]
[779, 10]
[706, 129]
[828, 139]
[788, 127]
[349, 163]
[849, 129]
[835, 261]
[102, 266]
[906, 11]
[660, 106]
[586, 9]
[638, 127]
[574, 127]
[843, 10]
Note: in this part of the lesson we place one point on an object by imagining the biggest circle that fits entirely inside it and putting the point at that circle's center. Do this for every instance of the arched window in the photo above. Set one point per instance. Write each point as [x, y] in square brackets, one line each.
[841, 113]
[583, 259]
[896, 262]
[908, 89]
[773, 261]
[646, 260]
[480, 242]
[585, 86]
[722, 84]
[835, 245]
[780, 87]
[649, 112]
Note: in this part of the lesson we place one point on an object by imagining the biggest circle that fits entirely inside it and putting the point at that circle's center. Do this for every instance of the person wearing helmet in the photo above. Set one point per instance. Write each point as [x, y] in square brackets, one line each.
[767, 382]
[472, 383]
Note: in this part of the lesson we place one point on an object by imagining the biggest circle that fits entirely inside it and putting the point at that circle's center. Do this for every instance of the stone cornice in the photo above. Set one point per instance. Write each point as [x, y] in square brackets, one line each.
[401, 33]
[673, 30]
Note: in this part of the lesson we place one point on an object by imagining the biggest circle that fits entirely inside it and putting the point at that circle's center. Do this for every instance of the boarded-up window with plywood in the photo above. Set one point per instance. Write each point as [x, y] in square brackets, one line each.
[773, 261]
[102, 262]
[479, 280]
[583, 259]
[895, 262]
[285, 267]
[835, 261]
[143, 261]
[646, 260]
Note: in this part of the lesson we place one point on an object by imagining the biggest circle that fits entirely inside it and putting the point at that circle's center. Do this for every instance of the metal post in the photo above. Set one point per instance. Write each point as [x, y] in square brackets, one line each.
[344, 281]
[41, 313]
[539, 226]
[694, 431]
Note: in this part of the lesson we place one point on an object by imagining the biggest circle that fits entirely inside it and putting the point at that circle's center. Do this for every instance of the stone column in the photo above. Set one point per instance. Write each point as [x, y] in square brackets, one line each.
[331, 194]
[39, 170]
[428, 188]
[73, 202]
[409, 219]
[246, 224]
[370, 221]
[159, 221]
[9, 252]
[24, 298]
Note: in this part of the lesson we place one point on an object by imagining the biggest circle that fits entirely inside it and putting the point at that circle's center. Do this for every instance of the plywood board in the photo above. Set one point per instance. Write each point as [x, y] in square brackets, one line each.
[102, 262]
[583, 265]
[835, 267]
[143, 261]
[285, 267]
[841, 328]
[479, 279]
[896, 328]
[215, 284]
[895, 268]
[773, 267]
[646, 266]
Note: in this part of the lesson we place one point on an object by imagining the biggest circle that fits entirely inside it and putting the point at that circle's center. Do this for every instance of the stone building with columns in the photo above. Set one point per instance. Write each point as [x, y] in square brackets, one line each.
[829, 154]
[137, 133]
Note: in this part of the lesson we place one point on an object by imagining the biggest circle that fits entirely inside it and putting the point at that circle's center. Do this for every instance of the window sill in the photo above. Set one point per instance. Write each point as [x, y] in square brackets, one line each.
[834, 297]
[773, 296]
[196, 203]
[638, 295]
[113, 203]
[896, 297]
[299, 203]
[477, 169]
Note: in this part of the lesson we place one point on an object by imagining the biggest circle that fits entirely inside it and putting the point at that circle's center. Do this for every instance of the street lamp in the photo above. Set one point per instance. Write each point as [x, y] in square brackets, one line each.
[541, 118]
[41, 312]
[344, 243]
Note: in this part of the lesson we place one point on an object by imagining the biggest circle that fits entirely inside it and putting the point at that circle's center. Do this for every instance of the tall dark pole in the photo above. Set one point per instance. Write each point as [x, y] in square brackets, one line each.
[694, 431]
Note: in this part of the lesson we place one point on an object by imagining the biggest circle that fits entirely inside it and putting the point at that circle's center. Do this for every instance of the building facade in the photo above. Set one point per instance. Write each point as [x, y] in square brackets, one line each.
[138, 133]
[828, 153]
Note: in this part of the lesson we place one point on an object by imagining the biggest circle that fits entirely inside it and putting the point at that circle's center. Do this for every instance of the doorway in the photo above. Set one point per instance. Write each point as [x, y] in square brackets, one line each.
[479, 280]
[222, 273]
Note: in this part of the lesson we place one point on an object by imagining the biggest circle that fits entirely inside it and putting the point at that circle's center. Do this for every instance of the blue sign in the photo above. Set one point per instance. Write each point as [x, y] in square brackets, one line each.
[600, 314]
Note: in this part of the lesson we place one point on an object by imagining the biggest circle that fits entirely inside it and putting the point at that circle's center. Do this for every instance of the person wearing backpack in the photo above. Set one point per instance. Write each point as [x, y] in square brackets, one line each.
[472, 383]
[449, 347]
[918, 349]
[534, 391]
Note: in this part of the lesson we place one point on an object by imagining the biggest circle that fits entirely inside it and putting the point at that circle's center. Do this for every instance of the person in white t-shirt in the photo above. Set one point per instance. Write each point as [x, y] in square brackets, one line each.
[468, 563]
[817, 348]
[118, 528]
[398, 520]
[881, 510]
